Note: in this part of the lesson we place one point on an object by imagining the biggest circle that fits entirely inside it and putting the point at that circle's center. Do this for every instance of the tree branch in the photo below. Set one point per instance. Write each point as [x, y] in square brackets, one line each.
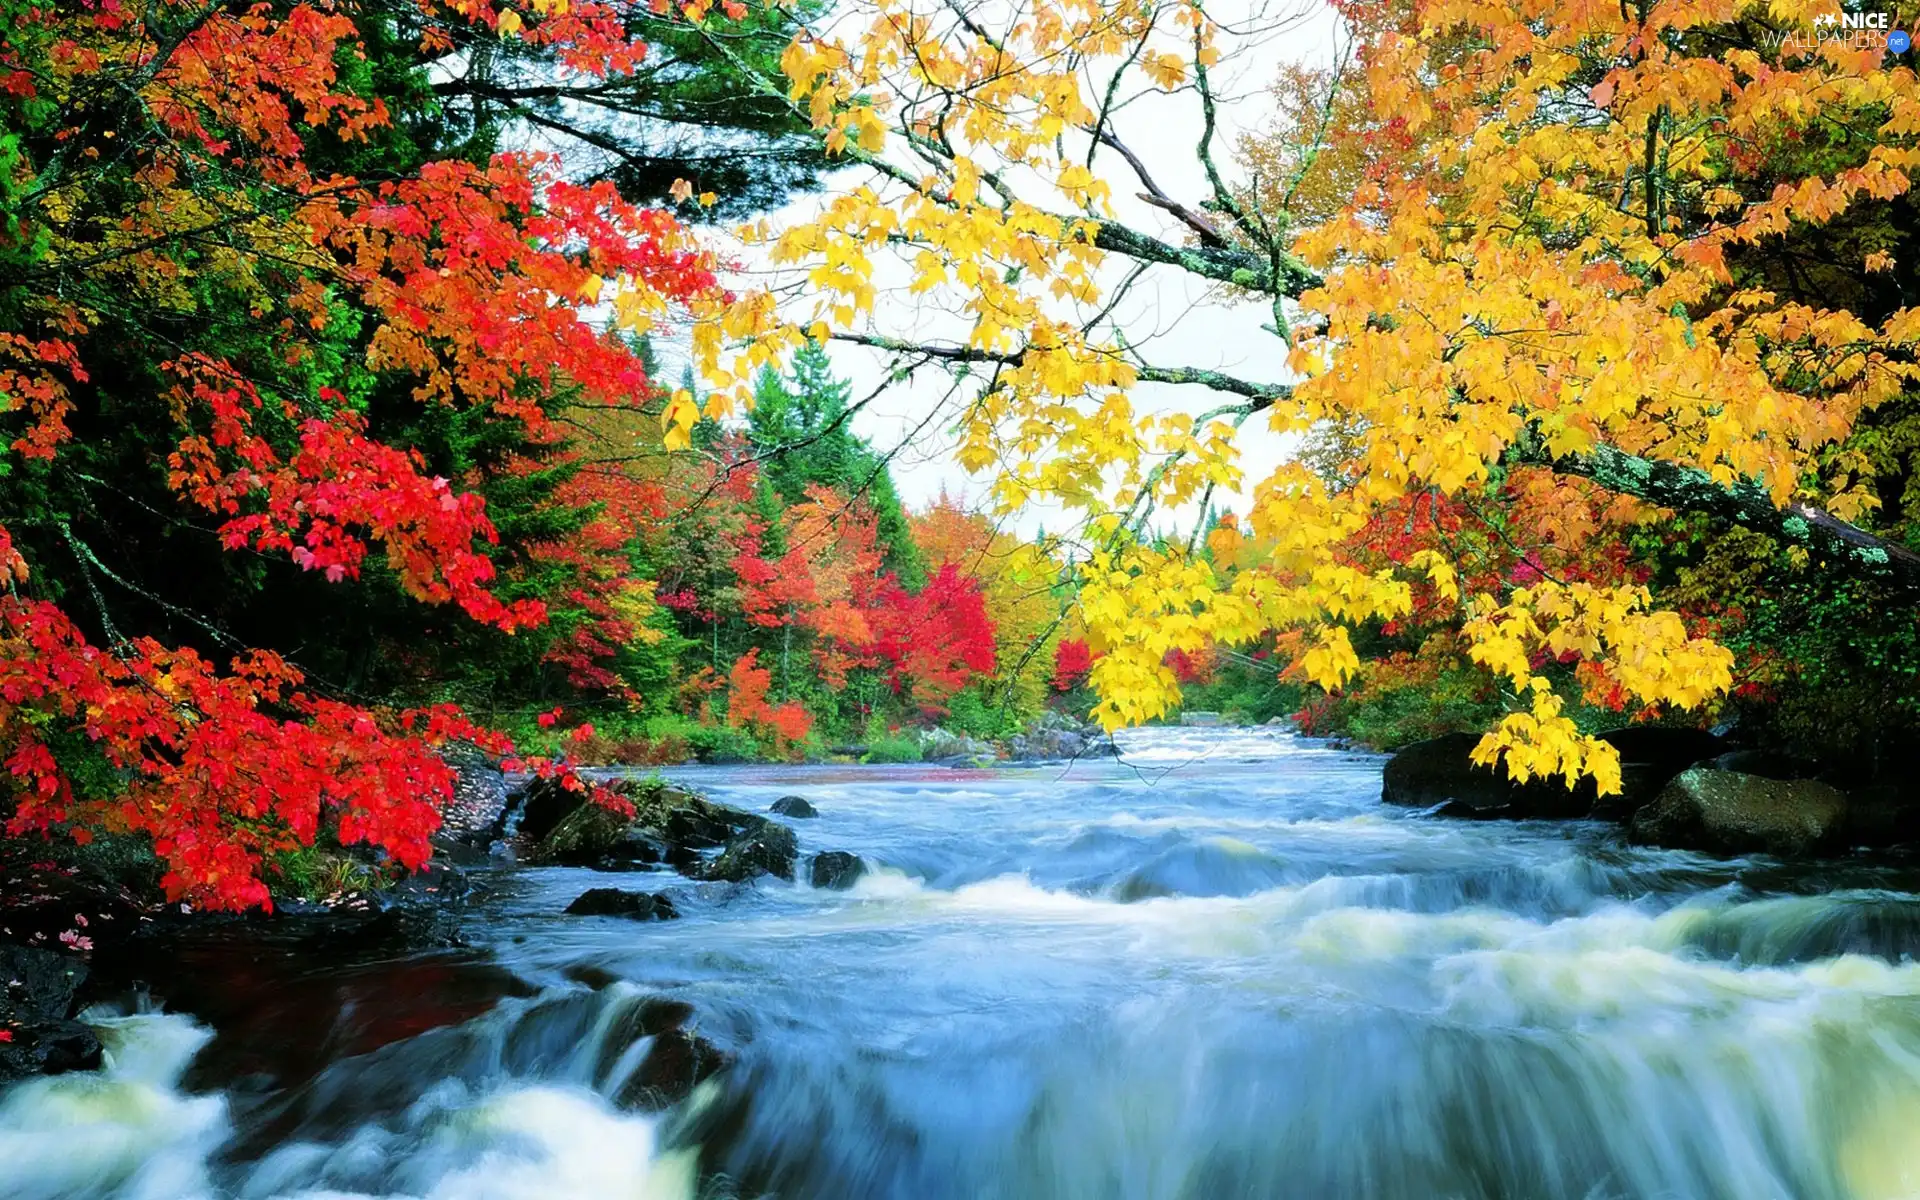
[1833, 543]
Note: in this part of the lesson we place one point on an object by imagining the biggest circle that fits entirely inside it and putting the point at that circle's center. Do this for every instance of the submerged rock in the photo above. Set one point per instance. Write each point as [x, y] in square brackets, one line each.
[617, 902]
[768, 849]
[794, 806]
[1727, 812]
[836, 870]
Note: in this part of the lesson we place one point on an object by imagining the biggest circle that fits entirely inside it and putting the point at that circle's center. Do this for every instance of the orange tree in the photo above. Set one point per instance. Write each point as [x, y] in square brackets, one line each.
[1653, 249]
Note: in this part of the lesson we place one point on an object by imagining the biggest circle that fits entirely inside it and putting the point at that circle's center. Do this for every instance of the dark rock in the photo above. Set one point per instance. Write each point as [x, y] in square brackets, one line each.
[1726, 812]
[1441, 773]
[541, 807]
[479, 797]
[769, 849]
[1767, 764]
[37, 989]
[794, 806]
[1650, 756]
[676, 1063]
[582, 837]
[39, 984]
[48, 1048]
[615, 902]
[836, 870]
[682, 818]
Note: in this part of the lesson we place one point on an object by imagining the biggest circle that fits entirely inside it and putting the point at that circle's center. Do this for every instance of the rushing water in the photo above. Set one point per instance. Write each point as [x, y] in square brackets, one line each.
[1220, 969]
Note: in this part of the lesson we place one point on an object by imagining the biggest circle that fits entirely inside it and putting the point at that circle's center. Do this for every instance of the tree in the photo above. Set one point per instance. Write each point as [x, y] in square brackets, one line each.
[684, 117]
[229, 270]
[800, 427]
[1582, 242]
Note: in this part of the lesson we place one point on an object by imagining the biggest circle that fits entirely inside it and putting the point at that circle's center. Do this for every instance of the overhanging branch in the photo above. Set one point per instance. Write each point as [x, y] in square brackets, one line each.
[1833, 543]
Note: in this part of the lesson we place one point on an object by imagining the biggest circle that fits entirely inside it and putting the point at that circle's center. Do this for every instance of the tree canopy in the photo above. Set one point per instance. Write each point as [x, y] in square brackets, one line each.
[1547, 267]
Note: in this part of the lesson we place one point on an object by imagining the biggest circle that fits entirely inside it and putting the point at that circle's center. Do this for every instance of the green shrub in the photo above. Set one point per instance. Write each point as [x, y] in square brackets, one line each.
[892, 748]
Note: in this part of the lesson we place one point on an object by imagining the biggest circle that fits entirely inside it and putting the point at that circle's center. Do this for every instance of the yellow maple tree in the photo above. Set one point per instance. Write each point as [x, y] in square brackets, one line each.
[1538, 264]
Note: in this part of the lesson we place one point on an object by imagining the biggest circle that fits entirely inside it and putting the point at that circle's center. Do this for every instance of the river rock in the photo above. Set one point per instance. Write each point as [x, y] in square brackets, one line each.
[581, 838]
[37, 1036]
[677, 1061]
[1441, 772]
[794, 806]
[479, 797]
[1766, 763]
[768, 849]
[541, 806]
[617, 902]
[836, 870]
[1202, 720]
[941, 748]
[1727, 812]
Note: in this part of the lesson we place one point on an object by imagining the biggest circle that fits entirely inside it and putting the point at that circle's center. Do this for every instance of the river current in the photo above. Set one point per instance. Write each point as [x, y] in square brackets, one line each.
[1218, 968]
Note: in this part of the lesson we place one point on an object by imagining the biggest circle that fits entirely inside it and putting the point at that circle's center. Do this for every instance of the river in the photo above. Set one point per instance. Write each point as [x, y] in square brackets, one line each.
[1220, 968]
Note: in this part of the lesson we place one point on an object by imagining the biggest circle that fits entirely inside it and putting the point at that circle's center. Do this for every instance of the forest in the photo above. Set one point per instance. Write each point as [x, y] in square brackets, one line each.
[386, 375]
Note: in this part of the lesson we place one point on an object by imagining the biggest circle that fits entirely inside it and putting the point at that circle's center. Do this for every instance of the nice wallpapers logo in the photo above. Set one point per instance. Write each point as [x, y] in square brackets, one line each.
[1862, 30]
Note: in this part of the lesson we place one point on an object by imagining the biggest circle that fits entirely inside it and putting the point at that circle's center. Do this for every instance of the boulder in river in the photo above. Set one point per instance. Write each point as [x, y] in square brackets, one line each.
[618, 902]
[1441, 771]
[581, 838]
[836, 870]
[767, 849]
[37, 1034]
[541, 806]
[1726, 812]
[794, 806]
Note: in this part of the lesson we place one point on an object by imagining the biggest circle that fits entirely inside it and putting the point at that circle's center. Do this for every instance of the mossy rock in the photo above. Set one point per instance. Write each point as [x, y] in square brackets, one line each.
[1726, 812]
[582, 838]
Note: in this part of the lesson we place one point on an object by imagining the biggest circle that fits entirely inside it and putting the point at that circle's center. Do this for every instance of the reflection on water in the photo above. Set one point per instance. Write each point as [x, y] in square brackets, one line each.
[1217, 969]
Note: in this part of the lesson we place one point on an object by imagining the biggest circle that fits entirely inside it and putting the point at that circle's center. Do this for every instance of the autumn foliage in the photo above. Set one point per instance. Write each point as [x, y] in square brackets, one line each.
[162, 154]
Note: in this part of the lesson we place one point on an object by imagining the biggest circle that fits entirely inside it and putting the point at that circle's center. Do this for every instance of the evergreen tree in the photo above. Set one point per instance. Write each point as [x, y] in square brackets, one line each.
[800, 421]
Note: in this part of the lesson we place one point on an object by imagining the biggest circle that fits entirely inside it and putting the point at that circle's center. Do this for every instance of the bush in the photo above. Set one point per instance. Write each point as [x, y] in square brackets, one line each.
[892, 748]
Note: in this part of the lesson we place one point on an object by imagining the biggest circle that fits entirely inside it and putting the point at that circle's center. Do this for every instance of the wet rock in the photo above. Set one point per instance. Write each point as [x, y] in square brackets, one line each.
[1440, 773]
[769, 849]
[479, 797]
[581, 838]
[1726, 812]
[1768, 764]
[617, 902]
[37, 991]
[677, 1063]
[540, 808]
[794, 806]
[939, 746]
[836, 870]
[685, 819]
[1650, 756]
